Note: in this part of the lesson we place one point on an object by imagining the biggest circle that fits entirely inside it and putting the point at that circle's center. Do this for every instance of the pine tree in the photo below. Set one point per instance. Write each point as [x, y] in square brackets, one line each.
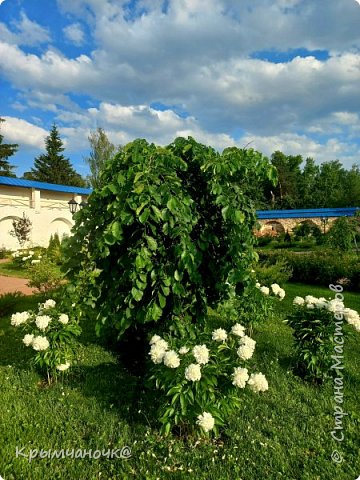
[53, 166]
[6, 150]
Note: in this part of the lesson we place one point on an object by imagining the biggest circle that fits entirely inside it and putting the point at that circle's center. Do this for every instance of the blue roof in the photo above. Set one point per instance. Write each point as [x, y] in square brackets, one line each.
[19, 182]
[307, 213]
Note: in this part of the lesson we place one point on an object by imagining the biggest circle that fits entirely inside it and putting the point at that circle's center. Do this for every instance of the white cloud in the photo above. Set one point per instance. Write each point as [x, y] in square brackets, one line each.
[26, 134]
[25, 32]
[74, 33]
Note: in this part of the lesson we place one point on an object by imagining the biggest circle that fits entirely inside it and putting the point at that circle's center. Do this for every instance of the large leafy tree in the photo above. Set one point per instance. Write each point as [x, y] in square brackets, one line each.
[6, 151]
[289, 173]
[102, 150]
[53, 166]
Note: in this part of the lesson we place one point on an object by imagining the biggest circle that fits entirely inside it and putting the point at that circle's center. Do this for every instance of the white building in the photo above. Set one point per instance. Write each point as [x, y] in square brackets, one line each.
[45, 204]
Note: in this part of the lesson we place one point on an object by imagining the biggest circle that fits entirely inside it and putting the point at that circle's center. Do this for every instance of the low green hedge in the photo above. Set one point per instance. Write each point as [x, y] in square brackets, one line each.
[318, 268]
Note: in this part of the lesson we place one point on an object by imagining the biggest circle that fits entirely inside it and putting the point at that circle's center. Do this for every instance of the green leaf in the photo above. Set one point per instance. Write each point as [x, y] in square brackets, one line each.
[137, 294]
[144, 216]
[152, 243]
[162, 300]
[172, 205]
[116, 230]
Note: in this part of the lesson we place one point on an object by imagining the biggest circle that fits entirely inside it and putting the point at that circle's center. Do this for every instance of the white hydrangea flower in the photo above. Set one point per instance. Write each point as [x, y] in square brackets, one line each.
[64, 319]
[219, 335]
[245, 352]
[335, 306]
[238, 330]
[162, 344]
[33, 262]
[298, 301]
[275, 288]
[171, 359]
[281, 294]
[257, 285]
[310, 306]
[40, 343]
[42, 321]
[49, 304]
[193, 372]
[201, 354]
[206, 421]
[19, 318]
[63, 366]
[27, 340]
[265, 290]
[157, 352]
[240, 377]
[247, 348]
[154, 339]
[183, 350]
[258, 382]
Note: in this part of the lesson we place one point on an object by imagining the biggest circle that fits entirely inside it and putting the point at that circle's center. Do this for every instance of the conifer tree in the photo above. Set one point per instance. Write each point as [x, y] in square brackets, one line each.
[53, 166]
[6, 151]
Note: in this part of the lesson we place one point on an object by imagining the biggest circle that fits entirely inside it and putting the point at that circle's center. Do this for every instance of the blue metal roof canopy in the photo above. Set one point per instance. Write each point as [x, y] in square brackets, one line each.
[307, 213]
[19, 182]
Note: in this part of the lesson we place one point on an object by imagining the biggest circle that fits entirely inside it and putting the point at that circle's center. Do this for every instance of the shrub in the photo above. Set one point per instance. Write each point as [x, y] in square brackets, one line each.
[45, 276]
[341, 234]
[4, 253]
[52, 334]
[169, 234]
[307, 229]
[21, 229]
[264, 240]
[253, 307]
[278, 272]
[24, 258]
[8, 302]
[54, 251]
[315, 322]
[199, 379]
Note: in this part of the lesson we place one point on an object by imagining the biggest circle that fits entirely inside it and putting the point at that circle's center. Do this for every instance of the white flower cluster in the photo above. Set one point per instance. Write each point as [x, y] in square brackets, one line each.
[49, 304]
[352, 317]
[171, 359]
[42, 322]
[206, 421]
[40, 343]
[334, 306]
[158, 349]
[27, 255]
[275, 288]
[219, 335]
[64, 319]
[201, 354]
[19, 318]
[193, 372]
[258, 383]
[240, 377]
[246, 348]
[63, 366]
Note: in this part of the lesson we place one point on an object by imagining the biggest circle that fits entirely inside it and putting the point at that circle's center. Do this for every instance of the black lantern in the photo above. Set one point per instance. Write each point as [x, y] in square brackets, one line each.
[73, 205]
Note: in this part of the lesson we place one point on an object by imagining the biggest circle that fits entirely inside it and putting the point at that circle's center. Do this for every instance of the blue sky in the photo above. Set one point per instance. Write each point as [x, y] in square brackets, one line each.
[280, 74]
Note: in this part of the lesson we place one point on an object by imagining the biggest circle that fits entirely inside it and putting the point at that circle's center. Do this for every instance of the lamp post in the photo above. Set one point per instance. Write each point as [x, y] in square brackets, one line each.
[324, 221]
[74, 205]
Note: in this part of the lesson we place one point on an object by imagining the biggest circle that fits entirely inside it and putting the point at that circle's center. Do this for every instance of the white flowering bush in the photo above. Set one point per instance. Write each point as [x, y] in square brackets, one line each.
[26, 257]
[51, 334]
[316, 323]
[254, 306]
[201, 379]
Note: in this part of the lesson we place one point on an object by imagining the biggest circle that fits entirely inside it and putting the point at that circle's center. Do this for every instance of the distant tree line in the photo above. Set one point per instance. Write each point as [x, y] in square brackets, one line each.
[302, 183]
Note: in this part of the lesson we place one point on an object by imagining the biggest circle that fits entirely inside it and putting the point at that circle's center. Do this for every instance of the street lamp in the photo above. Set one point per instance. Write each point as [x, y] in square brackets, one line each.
[324, 221]
[73, 205]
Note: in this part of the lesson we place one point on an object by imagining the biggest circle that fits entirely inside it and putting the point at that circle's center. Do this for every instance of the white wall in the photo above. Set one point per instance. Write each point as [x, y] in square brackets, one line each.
[48, 212]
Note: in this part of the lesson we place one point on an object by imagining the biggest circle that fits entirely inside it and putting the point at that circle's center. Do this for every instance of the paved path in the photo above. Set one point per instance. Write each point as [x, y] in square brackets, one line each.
[13, 284]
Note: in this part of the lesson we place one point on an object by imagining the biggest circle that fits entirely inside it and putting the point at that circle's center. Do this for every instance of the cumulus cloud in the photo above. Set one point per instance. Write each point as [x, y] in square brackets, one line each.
[75, 34]
[26, 134]
[24, 32]
[202, 55]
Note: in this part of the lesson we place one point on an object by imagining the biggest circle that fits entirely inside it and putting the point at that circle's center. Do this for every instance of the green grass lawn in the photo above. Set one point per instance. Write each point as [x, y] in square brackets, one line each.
[283, 433]
[9, 269]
